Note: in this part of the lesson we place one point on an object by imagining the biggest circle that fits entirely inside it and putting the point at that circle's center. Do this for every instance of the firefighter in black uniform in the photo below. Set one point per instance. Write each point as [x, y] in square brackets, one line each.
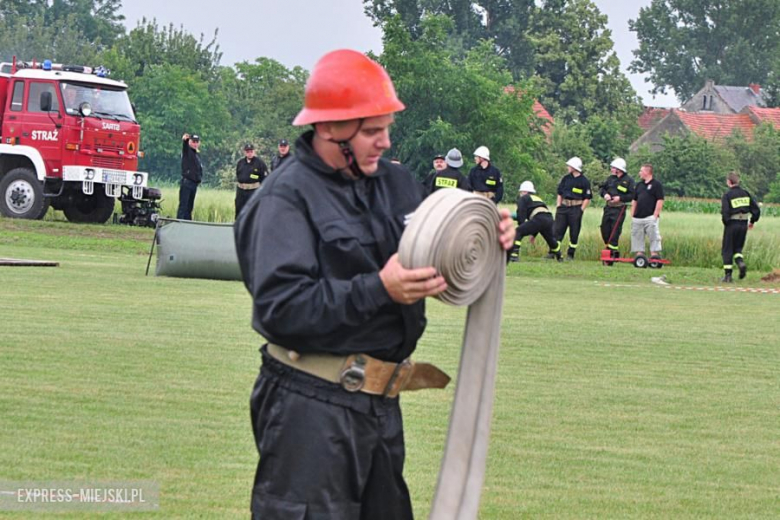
[533, 218]
[485, 179]
[191, 175]
[282, 156]
[317, 247]
[574, 195]
[449, 177]
[617, 192]
[737, 208]
[250, 173]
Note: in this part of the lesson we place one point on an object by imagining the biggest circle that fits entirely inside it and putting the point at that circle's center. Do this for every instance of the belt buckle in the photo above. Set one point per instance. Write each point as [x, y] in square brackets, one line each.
[353, 377]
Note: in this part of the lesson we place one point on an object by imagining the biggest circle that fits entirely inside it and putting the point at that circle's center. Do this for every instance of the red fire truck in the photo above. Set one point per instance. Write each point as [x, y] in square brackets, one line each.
[69, 139]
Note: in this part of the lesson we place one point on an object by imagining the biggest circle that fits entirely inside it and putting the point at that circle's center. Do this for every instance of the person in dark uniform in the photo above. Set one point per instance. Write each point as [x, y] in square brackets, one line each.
[737, 208]
[282, 156]
[191, 175]
[450, 176]
[533, 218]
[251, 171]
[485, 179]
[574, 195]
[617, 192]
[317, 247]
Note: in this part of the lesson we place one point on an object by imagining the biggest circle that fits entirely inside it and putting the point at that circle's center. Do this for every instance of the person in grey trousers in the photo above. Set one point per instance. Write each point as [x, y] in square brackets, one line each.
[645, 211]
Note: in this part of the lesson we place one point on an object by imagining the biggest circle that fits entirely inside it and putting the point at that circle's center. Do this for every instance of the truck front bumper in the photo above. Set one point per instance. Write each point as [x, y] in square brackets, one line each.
[112, 179]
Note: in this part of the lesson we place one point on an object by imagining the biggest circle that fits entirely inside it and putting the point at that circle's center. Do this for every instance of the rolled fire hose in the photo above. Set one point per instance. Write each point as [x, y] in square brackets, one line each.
[457, 233]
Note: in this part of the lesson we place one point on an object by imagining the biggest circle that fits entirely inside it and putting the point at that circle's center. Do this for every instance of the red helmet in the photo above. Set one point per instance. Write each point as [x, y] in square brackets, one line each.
[347, 85]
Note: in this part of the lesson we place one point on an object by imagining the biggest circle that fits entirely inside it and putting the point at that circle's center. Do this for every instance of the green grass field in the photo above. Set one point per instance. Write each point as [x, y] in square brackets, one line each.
[624, 400]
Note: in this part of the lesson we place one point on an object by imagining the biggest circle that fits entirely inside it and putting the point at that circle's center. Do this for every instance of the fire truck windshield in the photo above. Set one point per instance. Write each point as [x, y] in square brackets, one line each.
[106, 103]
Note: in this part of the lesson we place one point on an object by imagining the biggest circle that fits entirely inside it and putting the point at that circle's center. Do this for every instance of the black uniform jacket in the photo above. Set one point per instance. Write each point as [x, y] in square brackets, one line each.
[447, 178]
[526, 204]
[191, 167]
[622, 187]
[737, 200]
[574, 188]
[251, 171]
[310, 246]
[487, 179]
[278, 160]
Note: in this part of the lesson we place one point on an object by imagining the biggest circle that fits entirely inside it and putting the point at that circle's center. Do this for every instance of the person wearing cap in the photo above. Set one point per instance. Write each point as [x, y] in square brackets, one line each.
[191, 175]
[317, 247]
[439, 163]
[617, 192]
[574, 195]
[282, 156]
[485, 179]
[533, 218]
[251, 171]
[450, 176]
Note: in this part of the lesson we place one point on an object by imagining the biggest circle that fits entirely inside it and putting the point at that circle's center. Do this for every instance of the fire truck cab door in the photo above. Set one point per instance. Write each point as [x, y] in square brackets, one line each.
[42, 129]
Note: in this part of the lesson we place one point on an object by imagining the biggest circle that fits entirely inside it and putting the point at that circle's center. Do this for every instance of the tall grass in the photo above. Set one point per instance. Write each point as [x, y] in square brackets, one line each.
[691, 229]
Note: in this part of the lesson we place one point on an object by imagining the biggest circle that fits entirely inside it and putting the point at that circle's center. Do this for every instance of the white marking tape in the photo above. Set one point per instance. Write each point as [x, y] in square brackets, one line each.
[692, 288]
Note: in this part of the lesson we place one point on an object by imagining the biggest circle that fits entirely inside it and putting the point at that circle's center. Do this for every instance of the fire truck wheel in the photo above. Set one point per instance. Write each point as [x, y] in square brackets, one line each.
[91, 209]
[21, 195]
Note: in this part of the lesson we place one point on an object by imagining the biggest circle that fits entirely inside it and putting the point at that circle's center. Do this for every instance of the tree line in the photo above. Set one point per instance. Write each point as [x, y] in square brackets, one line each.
[452, 62]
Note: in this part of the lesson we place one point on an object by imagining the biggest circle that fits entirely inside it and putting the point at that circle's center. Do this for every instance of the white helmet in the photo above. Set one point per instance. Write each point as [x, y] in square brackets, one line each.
[483, 152]
[527, 186]
[619, 163]
[576, 163]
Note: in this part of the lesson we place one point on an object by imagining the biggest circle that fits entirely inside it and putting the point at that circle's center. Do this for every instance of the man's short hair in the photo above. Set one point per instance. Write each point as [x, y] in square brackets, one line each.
[649, 167]
[733, 178]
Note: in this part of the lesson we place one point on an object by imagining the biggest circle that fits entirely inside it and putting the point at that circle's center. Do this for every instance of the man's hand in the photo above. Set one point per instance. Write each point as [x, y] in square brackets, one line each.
[407, 286]
[506, 230]
[607, 197]
[185, 137]
[750, 226]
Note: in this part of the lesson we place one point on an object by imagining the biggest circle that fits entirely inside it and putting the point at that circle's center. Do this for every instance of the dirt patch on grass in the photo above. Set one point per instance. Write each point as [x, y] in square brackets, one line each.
[773, 277]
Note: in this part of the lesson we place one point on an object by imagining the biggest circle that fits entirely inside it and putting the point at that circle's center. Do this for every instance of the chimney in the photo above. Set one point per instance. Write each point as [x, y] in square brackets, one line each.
[756, 88]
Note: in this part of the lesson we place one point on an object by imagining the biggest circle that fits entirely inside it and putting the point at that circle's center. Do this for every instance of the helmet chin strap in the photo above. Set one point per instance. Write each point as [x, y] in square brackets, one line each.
[349, 154]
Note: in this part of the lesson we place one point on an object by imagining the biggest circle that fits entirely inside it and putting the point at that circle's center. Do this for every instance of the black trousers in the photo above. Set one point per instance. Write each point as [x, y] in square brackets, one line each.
[540, 224]
[612, 218]
[242, 197]
[187, 191]
[734, 235]
[325, 453]
[568, 217]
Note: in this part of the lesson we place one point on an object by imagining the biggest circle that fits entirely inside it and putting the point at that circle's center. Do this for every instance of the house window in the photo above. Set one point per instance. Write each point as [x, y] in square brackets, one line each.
[704, 102]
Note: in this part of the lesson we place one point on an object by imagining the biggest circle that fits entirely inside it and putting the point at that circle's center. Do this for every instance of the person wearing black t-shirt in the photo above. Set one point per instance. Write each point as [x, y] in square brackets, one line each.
[645, 211]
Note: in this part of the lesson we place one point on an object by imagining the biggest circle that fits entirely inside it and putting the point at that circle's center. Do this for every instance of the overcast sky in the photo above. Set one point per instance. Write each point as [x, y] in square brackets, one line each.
[298, 32]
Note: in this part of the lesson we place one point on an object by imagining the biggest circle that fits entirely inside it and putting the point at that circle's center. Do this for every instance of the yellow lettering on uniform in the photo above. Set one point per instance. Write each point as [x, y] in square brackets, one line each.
[444, 182]
[536, 199]
[490, 182]
[576, 190]
[254, 176]
[622, 188]
[740, 202]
